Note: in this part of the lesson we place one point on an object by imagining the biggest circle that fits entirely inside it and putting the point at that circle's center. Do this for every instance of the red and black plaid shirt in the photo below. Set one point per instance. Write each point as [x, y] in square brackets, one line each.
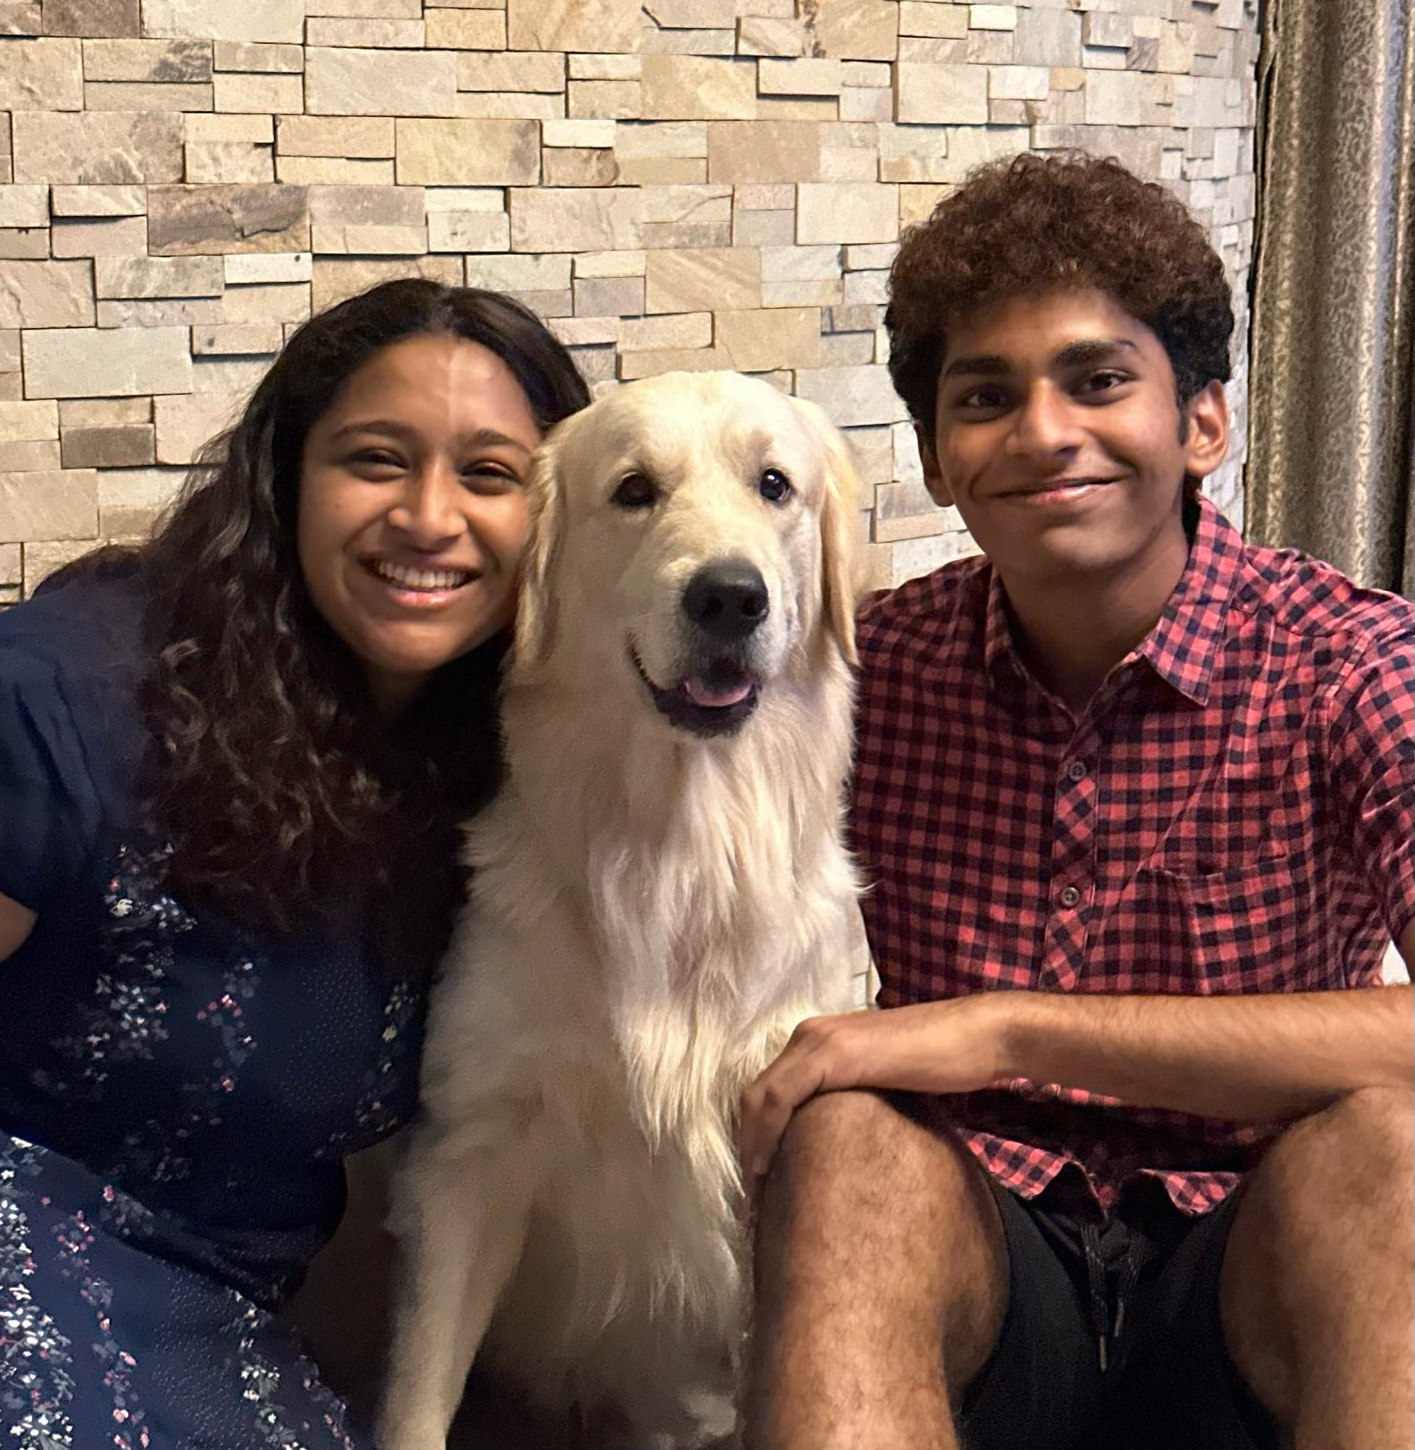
[1231, 813]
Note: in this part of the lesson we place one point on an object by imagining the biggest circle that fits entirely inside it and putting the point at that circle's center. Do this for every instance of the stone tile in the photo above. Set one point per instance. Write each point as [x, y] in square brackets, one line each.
[97, 148]
[763, 228]
[577, 132]
[510, 106]
[267, 20]
[685, 360]
[547, 274]
[691, 88]
[103, 237]
[654, 41]
[772, 35]
[236, 339]
[468, 231]
[851, 397]
[610, 264]
[139, 96]
[579, 166]
[678, 329]
[579, 219]
[91, 17]
[256, 268]
[258, 57]
[466, 29]
[992, 17]
[41, 74]
[260, 94]
[185, 424]
[846, 212]
[854, 29]
[607, 26]
[104, 412]
[957, 94]
[341, 30]
[46, 294]
[759, 340]
[604, 67]
[21, 17]
[336, 278]
[164, 61]
[230, 161]
[98, 201]
[157, 311]
[235, 127]
[32, 457]
[468, 153]
[604, 100]
[27, 244]
[282, 302]
[703, 280]
[129, 447]
[332, 171]
[348, 136]
[209, 220]
[24, 206]
[380, 82]
[810, 77]
[763, 151]
[1047, 37]
[159, 277]
[29, 422]
[46, 505]
[511, 71]
[609, 296]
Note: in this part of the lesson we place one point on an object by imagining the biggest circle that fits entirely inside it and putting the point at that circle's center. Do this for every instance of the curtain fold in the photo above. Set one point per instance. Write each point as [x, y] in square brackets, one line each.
[1331, 459]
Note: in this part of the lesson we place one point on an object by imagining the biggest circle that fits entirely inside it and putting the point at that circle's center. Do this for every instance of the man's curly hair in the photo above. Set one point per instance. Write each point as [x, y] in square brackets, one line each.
[1035, 224]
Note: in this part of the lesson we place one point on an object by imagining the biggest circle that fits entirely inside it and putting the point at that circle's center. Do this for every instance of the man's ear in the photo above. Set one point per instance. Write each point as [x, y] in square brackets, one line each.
[933, 480]
[1205, 436]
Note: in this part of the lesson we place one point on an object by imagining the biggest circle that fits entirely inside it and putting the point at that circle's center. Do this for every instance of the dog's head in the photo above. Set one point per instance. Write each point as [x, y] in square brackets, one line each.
[698, 531]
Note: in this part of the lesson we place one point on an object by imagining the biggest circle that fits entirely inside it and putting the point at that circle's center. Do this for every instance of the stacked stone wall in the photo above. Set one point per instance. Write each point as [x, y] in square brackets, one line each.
[673, 184]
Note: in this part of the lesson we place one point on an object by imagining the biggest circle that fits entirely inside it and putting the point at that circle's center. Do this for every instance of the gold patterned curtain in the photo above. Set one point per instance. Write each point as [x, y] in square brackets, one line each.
[1331, 461]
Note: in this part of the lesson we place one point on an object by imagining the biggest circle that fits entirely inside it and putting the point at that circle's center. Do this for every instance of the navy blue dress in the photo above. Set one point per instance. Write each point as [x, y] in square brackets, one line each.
[176, 1094]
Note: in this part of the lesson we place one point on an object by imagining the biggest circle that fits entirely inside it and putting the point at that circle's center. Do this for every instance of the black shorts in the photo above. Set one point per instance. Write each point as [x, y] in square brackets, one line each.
[1168, 1380]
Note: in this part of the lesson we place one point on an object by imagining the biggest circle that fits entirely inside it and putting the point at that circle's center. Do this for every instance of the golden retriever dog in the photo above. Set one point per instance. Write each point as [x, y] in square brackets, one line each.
[660, 895]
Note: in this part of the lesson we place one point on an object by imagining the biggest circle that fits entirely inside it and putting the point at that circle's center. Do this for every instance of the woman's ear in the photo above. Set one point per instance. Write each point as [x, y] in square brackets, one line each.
[535, 608]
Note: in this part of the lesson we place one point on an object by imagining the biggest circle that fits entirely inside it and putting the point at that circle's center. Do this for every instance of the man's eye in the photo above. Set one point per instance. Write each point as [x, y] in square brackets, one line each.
[1105, 380]
[635, 491]
[774, 486]
[983, 398]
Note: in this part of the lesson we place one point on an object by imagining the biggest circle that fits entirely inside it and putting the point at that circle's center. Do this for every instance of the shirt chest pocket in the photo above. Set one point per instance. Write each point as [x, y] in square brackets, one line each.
[1247, 928]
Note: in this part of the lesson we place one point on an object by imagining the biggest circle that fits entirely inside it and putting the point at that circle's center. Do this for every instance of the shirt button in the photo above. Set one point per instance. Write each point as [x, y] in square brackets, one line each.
[1076, 770]
[1069, 896]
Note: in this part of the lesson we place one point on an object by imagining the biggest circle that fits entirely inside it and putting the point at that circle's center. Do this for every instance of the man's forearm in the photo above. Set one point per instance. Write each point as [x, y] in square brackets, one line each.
[1254, 1058]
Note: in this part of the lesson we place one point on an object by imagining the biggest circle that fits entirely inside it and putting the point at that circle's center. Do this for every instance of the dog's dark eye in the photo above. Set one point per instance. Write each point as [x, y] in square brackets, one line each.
[635, 491]
[774, 486]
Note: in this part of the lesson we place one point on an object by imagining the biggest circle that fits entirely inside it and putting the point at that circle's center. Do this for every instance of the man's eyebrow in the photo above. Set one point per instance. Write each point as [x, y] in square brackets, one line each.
[984, 365]
[1074, 354]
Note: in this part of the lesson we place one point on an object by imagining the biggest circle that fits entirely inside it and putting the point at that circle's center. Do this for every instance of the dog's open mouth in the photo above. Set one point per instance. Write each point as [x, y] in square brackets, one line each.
[718, 699]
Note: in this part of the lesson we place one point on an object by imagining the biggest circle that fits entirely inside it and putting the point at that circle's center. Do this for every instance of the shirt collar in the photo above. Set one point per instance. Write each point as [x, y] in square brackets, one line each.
[1183, 646]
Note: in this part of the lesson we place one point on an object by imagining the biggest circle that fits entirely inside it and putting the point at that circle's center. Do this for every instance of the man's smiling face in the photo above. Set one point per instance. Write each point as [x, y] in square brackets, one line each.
[1059, 439]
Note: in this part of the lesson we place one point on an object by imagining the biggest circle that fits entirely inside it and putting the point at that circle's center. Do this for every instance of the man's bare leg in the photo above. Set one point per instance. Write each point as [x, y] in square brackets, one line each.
[1317, 1278]
[881, 1283]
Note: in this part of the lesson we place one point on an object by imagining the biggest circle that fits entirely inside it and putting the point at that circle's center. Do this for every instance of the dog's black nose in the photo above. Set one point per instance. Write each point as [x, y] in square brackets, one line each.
[728, 600]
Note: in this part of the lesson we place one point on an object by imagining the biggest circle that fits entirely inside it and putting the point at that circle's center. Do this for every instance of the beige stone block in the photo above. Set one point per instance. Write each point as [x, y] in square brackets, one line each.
[763, 228]
[685, 329]
[587, 331]
[824, 109]
[41, 74]
[331, 171]
[349, 82]
[662, 171]
[130, 447]
[138, 96]
[185, 424]
[367, 205]
[609, 296]
[258, 57]
[158, 311]
[10, 571]
[30, 457]
[846, 212]
[609, 26]
[773, 35]
[859, 104]
[928, 18]
[287, 302]
[368, 240]
[367, 9]
[159, 277]
[762, 339]
[692, 88]
[703, 280]
[98, 201]
[50, 504]
[803, 292]
[468, 231]
[610, 264]
[9, 349]
[336, 278]
[103, 237]
[570, 133]
[267, 20]
[604, 67]
[468, 153]
[20, 17]
[211, 220]
[1047, 37]
[994, 47]
[340, 30]
[237, 339]
[810, 77]
[579, 166]
[547, 273]
[789, 264]
[1018, 82]
[663, 139]
[604, 100]
[657, 41]
[213, 129]
[1128, 98]
[510, 106]
[992, 17]
[466, 29]
[256, 268]
[260, 94]
[97, 148]
[44, 557]
[354, 137]
[130, 502]
[854, 29]
[511, 71]
[851, 397]
[866, 288]
[692, 14]
[914, 153]
[230, 161]
[25, 422]
[45, 294]
[763, 151]
[670, 360]
[918, 50]
[24, 206]
[578, 219]
[956, 94]
[29, 244]
[91, 17]
[162, 61]
[103, 412]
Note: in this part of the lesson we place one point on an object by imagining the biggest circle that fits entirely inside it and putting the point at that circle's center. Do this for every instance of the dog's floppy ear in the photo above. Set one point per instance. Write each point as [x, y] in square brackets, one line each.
[535, 609]
[840, 533]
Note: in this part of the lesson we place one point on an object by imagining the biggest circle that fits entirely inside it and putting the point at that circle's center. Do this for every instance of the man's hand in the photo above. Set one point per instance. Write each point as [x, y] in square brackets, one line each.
[936, 1047]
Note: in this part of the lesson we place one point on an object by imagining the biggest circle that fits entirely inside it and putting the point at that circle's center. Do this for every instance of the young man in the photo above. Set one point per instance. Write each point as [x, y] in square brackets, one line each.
[1133, 800]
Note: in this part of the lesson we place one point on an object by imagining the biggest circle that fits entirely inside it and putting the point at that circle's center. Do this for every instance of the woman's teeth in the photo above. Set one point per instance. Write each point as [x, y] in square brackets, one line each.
[428, 579]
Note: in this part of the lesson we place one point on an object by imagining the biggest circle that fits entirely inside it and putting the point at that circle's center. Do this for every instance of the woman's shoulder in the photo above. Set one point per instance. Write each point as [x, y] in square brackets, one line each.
[89, 623]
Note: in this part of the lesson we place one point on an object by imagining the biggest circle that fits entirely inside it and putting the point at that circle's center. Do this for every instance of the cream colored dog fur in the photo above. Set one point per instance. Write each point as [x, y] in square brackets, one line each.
[661, 894]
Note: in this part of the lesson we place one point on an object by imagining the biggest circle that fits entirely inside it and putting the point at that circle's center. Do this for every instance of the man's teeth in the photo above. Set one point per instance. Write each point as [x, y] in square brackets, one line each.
[429, 579]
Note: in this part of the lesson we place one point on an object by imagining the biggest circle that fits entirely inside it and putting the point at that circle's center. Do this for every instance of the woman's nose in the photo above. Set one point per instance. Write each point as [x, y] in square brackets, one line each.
[427, 511]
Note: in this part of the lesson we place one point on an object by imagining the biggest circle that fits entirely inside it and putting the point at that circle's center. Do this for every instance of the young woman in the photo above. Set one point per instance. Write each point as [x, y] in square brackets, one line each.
[232, 763]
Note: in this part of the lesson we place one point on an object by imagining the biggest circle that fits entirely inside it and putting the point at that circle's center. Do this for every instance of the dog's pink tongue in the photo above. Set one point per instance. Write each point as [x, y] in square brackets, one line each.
[702, 693]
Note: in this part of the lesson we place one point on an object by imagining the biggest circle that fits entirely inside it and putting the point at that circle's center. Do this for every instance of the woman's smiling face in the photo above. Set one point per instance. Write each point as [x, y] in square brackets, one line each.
[412, 508]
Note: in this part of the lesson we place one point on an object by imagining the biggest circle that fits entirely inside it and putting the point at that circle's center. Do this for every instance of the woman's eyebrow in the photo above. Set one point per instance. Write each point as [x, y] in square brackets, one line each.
[392, 428]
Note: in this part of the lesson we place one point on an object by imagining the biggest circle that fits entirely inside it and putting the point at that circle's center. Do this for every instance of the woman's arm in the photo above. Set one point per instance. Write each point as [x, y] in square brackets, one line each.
[16, 923]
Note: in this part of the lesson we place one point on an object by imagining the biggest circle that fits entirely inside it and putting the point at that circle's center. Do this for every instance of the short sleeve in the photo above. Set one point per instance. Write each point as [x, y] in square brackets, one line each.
[50, 810]
[1373, 752]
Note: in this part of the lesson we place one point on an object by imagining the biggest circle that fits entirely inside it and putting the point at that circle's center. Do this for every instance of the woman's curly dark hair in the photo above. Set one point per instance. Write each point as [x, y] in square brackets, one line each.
[286, 807]
[1038, 223]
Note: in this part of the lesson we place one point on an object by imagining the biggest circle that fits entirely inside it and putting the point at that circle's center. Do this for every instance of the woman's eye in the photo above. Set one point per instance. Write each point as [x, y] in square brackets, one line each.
[635, 491]
[490, 477]
[774, 486]
[376, 458]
